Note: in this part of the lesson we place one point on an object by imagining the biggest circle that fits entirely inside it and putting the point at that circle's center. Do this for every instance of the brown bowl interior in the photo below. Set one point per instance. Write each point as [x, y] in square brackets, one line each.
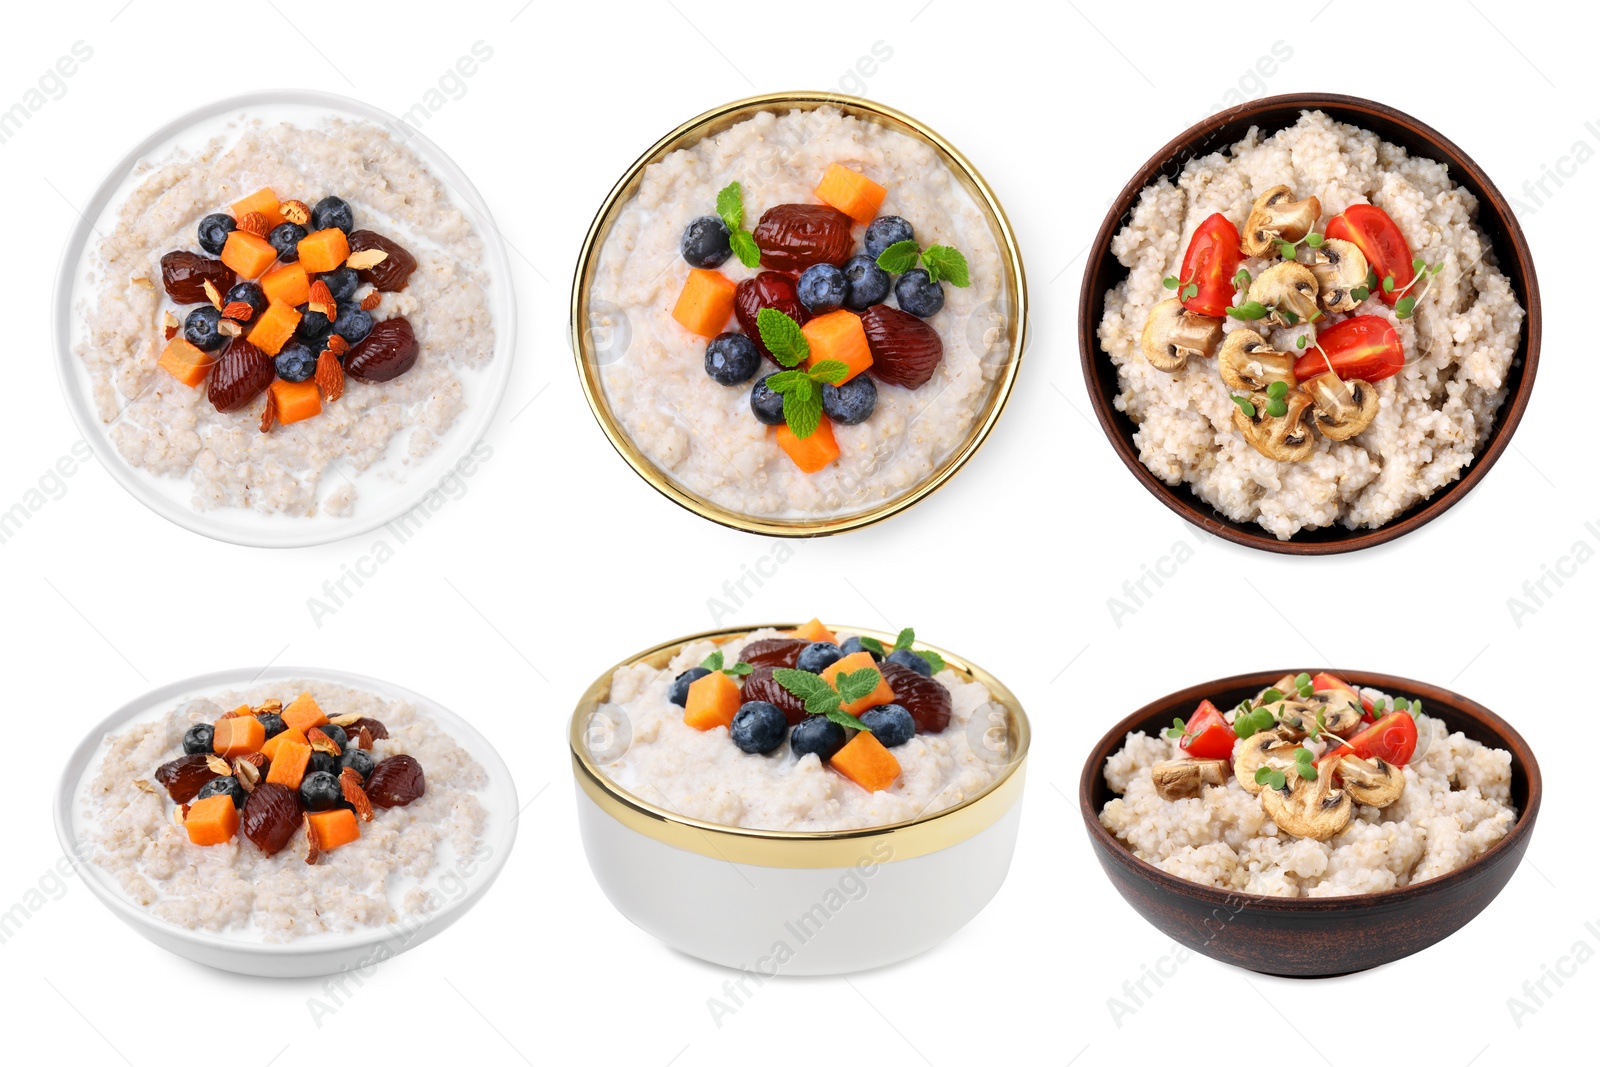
[1308, 937]
[1270, 115]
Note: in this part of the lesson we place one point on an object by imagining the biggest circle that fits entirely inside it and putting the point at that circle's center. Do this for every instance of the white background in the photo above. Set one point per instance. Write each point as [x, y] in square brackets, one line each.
[558, 560]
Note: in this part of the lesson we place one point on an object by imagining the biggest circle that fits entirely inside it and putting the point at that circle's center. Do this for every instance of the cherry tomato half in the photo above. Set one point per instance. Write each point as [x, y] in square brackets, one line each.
[1210, 263]
[1392, 739]
[1324, 680]
[1365, 347]
[1369, 228]
[1207, 735]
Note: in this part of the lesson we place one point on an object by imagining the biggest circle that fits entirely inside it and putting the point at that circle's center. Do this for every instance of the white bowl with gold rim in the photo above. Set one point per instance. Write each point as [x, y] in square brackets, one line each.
[799, 902]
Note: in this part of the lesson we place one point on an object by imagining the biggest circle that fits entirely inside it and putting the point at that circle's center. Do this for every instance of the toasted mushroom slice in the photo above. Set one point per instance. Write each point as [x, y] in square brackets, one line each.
[1172, 334]
[1287, 289]
[1285, 437]
[1341, 713]
[1295, 718]
[1177, 779]
[1339, 267]
[1278, 216]
[1371, 781]
[1260, 750]
[1309, 807]
[1249, 363]
[1343, 409]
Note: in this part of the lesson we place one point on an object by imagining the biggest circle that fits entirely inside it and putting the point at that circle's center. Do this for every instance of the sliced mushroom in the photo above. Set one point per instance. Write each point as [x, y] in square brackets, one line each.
[1267, 748]
[1309, 807]
[1285, 437]
[1249, 363]
[1295, 718]
[1339, 267]
[1341, 713]
[1371, 781]
[1343, 409]
[1278, 216]
[1177, 779]
[1172, 334]
[1286, 289]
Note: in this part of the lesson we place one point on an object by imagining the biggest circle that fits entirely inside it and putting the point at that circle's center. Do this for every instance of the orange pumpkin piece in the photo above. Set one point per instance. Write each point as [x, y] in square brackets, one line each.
[262, 200]
[212, 821]
[814, 631]
[335, 828]
[289, 764]
[287, 284]
[274, 328]
[297, 400]
[713, 701]
[867, 763]
[303, 713]
[851, 192]
[237, 735]
[857, 661]
[706, 302]
[838, 335]
[291, 736]
[247, 254]
[324, 250]
[812, 453]
[185, 362]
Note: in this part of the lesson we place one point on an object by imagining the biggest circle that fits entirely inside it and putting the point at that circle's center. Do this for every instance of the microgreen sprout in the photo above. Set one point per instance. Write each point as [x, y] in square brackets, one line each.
[1269, 777]
[1242, 280]
[1289, 249]
[1421, 272]
[1276, 394]
[1303, 683]
[1305, 761]
[1244, 405]
[1174, 731]
[1249, 311]
[1189, 290]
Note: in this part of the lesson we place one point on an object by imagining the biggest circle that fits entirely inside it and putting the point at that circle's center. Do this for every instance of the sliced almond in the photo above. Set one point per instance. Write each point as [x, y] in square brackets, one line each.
[270, 707]
[144, 786]
[312, 849]
[371, 300]
[345, 720]
[144, 283]
[247, 774]
[218, 764]
[350, 785]
[170, 321]
[212, 294]
[337, 345]
[229, 328]
[295, 211]
[321, 742]
[364, 740]
[255, 222]
[366, 259]
[180, 814]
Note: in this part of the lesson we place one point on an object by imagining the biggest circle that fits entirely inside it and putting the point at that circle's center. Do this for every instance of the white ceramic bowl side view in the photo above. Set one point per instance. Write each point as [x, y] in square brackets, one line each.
[382, 501]
[317, 954]
[800, 903]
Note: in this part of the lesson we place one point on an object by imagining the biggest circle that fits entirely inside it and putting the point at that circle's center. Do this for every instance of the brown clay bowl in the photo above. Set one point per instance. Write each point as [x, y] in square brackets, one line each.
[1306, 937]
[1271, 114]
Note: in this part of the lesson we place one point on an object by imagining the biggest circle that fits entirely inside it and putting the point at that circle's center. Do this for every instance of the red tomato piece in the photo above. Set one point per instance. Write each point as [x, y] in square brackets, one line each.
[1207, 734]
[1369, 228]
[1392, 739]
[1366, 347]
[1210, 263]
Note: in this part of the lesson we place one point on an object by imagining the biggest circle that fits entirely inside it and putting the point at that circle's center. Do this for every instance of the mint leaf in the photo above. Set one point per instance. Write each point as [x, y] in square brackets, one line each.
[713, 662]
[899, 257]
[871, 644]
[730, 206]
[935, 660]
[744, 246]
[905, 638]
[818, 695]
[803, 412]
[785, 380]
[832, 371]
[844, 718]
[853, 685]
[782, 336]
[944, 263]
[739, 670]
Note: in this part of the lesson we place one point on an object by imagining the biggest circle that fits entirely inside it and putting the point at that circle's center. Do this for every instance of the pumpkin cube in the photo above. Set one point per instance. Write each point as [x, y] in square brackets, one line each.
[867, 763]
[324, 250]
[857, 661]
[289, 762]
[810, 454]
[706, 302]
[713, 701]
[237, 735]
[247, 254]
[335, 828]
[263, 200]
[814, 631]
[291, 736]
[288, 284]
[851, 192]
[297, 400]
[303, 713]
[212, 820]
[274, 328]
[838, 335]
[185, 362]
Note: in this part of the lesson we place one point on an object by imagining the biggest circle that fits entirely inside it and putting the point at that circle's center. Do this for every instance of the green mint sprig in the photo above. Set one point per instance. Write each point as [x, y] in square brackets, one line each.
[903, 642]
[943, 263]
[800, 387]
[714, 662]
[820, 698]
[730, 207]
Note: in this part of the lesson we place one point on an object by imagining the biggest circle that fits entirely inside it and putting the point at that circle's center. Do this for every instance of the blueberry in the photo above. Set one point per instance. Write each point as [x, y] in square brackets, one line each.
[869, 283]
[214, 230]
[679, 691]
[891, 724]
[273, 723]
[248, 293]
[314, 328]
[224, 785]
[359, 760]
[851, 402]
[332, 213]
[285, 240]
[200, 328]
[295, 362]
[319, 791]
[822, 288]
[197, 739]
[817, 734]
[732, 359]
[759, 727]
[323, 763]
[917, 293]
[886, 230]
[336, 734]
[818, 655]
[705, 243]
[352, 324]
[341, 283]
[853, 644]
[907, 658]
[767, 405]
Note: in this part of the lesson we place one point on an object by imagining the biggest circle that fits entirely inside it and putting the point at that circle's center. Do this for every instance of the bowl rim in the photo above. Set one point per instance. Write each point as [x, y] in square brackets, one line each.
[1180, 499]
[714, 121]
[255, 530]
[144, 920]
[1108, 845]
[928, 832]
